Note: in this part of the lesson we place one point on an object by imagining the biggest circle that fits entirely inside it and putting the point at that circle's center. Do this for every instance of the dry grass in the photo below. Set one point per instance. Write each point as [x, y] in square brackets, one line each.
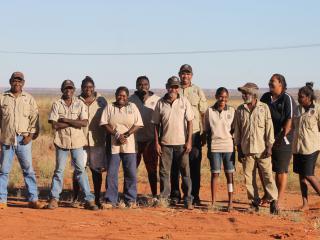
[44, 157]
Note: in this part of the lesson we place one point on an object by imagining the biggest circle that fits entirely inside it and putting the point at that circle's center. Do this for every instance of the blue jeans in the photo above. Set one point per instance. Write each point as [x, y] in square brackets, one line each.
[217, 158]
[24, 156]
[129, 164]
[79, 171]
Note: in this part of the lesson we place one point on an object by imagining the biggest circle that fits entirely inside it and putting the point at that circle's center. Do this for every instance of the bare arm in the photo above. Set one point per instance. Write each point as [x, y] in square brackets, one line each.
[188, 145]
[74, 123]
[132, 130]
[156, 139]
[58, 125]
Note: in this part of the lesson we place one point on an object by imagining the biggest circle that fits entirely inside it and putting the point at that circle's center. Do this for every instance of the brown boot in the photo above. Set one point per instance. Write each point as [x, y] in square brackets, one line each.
[36, 205]
[90, 205]
[3, 205]
[53, 204]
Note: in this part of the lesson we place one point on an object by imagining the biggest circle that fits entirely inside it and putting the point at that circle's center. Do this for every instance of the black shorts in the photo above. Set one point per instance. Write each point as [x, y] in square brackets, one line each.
[281, 160]
[305, 164]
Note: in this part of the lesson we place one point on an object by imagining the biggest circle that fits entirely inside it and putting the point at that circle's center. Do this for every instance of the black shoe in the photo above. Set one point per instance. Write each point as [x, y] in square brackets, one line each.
[274, 208]
[174, 202]
[254, 206]
[196, 202]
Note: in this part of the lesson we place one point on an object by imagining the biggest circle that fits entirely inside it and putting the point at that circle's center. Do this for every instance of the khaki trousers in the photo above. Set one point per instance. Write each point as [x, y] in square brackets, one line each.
[249, 169]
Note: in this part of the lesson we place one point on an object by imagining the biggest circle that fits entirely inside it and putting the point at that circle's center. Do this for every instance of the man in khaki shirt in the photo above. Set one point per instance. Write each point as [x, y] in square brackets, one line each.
[174, 115]
[198, 102]
[254, 137]
[146, 101]
[68, 115]
[19, 125]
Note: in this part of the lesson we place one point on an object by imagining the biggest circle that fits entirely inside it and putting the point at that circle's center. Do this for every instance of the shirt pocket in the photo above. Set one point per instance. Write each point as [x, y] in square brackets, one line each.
[194, 101]
[5, 109]
[311, 122]
[75, 114]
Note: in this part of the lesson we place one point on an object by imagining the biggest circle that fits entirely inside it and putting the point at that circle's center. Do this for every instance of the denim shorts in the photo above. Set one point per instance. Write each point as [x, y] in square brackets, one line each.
[216, 159]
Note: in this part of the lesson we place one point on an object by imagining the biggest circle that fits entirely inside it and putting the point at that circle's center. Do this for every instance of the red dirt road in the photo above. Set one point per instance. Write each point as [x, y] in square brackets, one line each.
[18, 222]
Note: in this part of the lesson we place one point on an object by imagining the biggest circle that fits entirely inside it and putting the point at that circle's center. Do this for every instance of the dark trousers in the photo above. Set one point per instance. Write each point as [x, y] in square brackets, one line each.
[195, 157]
[174, 155]
[150, 158]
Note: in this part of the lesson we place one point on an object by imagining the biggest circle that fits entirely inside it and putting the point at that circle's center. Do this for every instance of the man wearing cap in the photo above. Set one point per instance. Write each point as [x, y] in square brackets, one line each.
[19, 118]
[174, 114]
[254, 138]
[198, 102]
[68, 115]
[146, 101]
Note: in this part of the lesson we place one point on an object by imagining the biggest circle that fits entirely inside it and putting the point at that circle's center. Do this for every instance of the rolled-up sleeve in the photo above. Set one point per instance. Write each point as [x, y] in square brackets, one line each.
[137, 116]
[105, 116]
[54, 114]
[189, 115]
[203, 102]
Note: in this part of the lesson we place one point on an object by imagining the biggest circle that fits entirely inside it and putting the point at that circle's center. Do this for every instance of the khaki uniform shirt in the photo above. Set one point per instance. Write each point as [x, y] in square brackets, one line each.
[145, 134]
[95, 134]
[198, 102]
[306, 138]
[121, 120]
[70, 137]
[254, 130]
[220, 125]
[18, 116]
[172, 118]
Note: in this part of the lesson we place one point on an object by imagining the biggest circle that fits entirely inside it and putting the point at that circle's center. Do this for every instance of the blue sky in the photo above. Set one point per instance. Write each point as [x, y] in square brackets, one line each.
[159, 26]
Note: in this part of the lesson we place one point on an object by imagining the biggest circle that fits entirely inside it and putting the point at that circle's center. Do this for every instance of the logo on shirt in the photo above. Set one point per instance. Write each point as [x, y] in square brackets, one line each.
[229, 116]
[311, 112]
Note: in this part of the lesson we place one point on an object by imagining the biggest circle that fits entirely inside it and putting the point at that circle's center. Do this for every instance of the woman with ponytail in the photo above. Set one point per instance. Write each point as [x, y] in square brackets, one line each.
[306, 142]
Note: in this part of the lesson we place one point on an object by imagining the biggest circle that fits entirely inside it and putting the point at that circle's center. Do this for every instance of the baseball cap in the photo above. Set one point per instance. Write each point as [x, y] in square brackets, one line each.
[185, 68]
[173, 81]
[17, 75]
[67, 83]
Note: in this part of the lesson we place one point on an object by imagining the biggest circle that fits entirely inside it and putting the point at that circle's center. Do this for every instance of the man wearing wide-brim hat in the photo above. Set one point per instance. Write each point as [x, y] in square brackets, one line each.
[254, 137]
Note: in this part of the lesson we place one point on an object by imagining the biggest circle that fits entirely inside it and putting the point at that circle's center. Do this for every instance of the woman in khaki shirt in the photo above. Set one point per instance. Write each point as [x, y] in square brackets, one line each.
[306, 142]
[95, 148]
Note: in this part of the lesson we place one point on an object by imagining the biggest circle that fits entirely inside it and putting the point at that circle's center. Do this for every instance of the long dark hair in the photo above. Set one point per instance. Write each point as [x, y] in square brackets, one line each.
[281, 79]
[308, 91]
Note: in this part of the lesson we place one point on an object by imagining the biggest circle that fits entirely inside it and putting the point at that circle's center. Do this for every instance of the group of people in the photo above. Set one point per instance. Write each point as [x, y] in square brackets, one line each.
[167, 132]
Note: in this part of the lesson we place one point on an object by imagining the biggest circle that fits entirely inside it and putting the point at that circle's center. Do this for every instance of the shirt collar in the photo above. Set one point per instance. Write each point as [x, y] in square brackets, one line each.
[215, 107]
[9, 93]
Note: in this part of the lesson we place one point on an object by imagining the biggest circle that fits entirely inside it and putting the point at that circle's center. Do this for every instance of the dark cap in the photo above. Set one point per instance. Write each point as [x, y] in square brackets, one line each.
[17, 75]
[173, 81]
[249, 88]
[185, 68]
[67, 83]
